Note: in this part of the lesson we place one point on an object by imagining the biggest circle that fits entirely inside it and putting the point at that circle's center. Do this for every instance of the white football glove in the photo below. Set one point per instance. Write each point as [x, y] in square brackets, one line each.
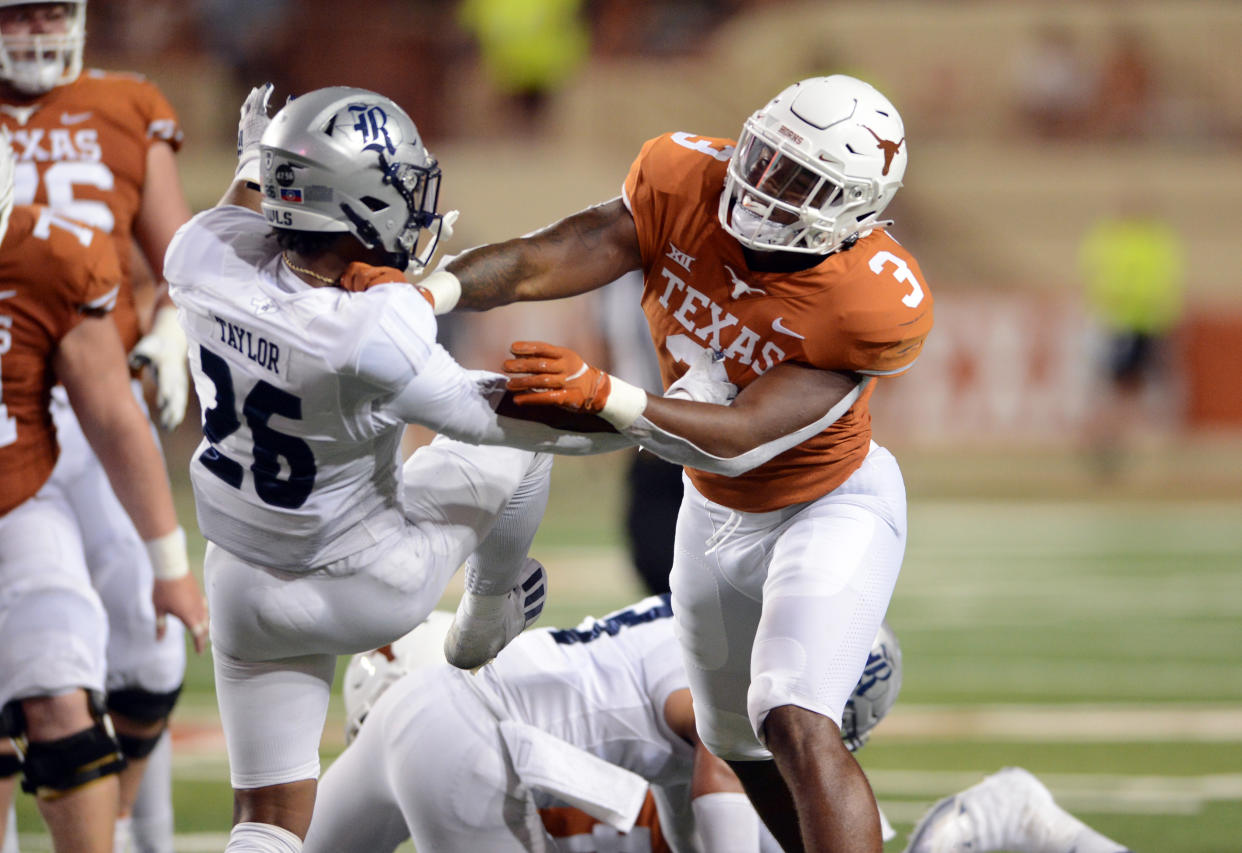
[250, 126]
[447, 221]
[164, 351]
[705, 382]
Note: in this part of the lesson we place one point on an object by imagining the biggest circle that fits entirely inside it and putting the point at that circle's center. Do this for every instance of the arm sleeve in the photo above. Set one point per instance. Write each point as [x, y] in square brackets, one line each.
[676, 448]
[429, 388]
[162, 122]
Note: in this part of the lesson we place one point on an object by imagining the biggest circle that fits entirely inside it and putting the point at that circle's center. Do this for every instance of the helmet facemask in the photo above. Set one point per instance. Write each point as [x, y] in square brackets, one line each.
[34, 64]
[419, 188]
[809, 173]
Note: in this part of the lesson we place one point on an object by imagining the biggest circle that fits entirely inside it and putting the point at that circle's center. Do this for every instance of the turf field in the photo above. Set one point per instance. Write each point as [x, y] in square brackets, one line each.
[1090, 634]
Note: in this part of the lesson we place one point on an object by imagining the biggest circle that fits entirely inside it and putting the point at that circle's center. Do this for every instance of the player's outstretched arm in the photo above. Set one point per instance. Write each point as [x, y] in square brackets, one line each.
[90, 363]
[780, 409]
[582, 252]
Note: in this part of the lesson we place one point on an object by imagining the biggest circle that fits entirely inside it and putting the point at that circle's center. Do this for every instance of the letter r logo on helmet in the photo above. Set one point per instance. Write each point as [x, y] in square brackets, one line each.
[346, 159]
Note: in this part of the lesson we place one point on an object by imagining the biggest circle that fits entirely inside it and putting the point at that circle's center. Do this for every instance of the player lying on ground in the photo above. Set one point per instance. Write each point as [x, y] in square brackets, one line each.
[554, 743]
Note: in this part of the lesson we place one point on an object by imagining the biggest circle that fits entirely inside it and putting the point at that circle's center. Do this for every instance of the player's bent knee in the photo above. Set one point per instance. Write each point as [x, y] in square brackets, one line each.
[10, 766]
[149, 710]
[138, 747]
[729, 736]
[142, 706]
[55, 768]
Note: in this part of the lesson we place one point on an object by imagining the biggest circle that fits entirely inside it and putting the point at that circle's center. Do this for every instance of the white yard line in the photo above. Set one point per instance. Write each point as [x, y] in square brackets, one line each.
[1059, 723]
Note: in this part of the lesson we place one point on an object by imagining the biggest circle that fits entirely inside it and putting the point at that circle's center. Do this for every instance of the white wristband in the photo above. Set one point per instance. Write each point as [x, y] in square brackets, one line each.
[248, 167]
[625, 403]
[445, 289]
[167, 553]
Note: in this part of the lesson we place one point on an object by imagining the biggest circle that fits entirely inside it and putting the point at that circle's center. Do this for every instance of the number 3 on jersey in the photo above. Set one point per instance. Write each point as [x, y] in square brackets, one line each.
[902, 273]
[270, 446]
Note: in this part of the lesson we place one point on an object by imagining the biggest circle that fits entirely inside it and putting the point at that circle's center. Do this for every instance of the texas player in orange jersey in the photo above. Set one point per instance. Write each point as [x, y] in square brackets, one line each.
[99, 148]
[59, 279]
[767, 257]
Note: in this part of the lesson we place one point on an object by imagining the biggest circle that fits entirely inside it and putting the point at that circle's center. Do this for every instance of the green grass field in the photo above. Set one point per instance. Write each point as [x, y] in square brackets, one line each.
[1092, 635]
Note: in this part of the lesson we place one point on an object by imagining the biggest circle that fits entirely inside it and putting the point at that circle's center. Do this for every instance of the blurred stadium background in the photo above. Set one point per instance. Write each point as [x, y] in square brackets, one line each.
[1084, 626]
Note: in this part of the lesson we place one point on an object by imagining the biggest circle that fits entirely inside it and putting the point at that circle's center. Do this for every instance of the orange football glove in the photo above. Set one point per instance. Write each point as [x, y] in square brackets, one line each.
[359, 277]
[549, 375]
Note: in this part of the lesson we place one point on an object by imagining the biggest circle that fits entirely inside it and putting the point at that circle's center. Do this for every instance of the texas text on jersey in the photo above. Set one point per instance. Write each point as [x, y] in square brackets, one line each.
[81, 149]
[53, 271]
[864, 309]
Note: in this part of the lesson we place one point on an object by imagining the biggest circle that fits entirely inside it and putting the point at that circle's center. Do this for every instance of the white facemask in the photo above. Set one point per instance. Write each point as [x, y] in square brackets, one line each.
[36, 76]
[752, 225]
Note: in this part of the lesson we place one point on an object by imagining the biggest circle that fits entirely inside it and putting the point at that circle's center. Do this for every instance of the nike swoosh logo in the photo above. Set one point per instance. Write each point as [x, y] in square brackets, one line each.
[778, 326]
[75, 118]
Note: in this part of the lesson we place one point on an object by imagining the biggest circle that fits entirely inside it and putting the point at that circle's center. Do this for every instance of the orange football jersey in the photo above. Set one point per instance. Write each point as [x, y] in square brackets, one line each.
[82, 149]
[864, 309]
[52, 271]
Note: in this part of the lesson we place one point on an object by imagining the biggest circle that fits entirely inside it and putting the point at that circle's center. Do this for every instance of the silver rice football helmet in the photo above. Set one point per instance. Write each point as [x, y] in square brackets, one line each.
[39, 62]
[814, 167]
[345, 159]
[876, 691]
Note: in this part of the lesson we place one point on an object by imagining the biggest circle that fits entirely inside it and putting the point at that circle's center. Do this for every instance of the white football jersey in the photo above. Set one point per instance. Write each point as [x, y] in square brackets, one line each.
[305, 393]
[602, 687]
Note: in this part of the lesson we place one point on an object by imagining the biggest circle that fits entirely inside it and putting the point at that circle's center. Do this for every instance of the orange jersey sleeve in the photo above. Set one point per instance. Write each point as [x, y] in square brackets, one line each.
[865, 309]
[82, 149]
[53, 271]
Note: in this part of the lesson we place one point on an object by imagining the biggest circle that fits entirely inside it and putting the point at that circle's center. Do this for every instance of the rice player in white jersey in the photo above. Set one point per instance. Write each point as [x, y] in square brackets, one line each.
[609, 672]
[309, 361]
[587, 718]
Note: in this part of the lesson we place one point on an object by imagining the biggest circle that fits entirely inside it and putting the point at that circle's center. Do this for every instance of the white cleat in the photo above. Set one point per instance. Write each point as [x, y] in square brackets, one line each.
[1006, 811]
[485, 624]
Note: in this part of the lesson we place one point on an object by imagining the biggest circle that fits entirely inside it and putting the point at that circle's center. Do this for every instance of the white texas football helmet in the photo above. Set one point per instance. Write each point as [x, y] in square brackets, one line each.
[344, 159]
[876, 691]
[39, 62]
[368, 675]
[814, 167]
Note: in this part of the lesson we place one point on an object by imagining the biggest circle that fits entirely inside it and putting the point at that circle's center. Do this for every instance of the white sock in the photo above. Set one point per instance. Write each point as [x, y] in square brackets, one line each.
[152, 825]
[262, 838]
[494, 567]
[8, 844]
[121, 836]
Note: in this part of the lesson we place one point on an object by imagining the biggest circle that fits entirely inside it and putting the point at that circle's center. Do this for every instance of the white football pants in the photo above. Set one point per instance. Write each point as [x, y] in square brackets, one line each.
[117, 560]
[430, 764]
[276, 634]
[780, 608]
